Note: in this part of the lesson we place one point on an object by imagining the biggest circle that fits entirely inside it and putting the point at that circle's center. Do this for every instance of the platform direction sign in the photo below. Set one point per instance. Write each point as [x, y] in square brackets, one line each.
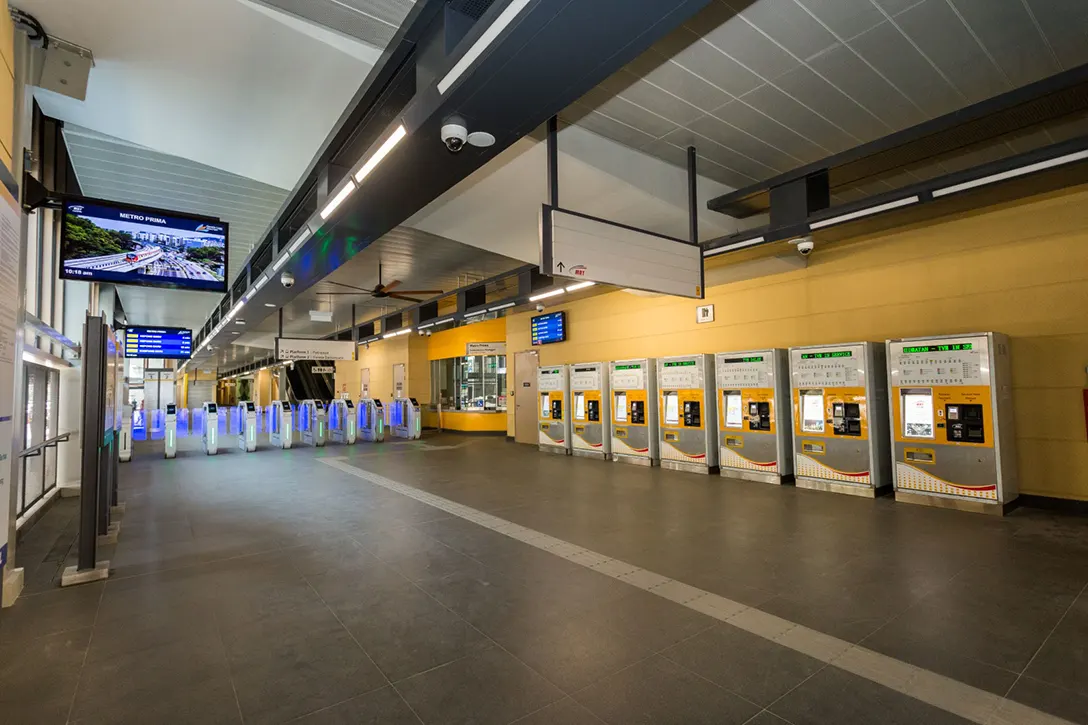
[587, 248]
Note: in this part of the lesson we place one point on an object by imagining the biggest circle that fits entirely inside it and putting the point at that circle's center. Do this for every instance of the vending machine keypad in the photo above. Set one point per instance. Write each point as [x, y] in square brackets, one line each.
[593, 411]
[638, 412]
[846, 419]
[692, 414]
[966, 423]
[557, 410]
[759, 416]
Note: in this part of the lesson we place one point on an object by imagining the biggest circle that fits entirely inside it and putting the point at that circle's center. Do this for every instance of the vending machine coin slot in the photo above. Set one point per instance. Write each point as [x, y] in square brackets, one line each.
[593, 411]
[966, 423]
[692, 415]
[846, 419]
[638, 412]
[759, 416]
[557, 410]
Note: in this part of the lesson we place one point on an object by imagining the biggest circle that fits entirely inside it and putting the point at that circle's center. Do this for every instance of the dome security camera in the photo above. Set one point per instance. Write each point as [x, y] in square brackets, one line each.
[805, 245]
[287, 280]
[454, 135]
[539, 307]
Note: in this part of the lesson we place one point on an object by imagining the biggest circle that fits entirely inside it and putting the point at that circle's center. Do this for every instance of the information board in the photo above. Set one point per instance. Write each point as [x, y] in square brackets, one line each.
[175, 343]
[549, 328]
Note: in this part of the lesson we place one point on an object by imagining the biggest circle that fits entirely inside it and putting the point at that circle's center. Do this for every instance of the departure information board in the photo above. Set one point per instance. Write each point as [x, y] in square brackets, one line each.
[161, 342]
[549, 328]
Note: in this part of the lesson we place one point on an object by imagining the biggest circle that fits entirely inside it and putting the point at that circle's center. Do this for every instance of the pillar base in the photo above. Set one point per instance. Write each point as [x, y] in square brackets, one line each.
[73, 577]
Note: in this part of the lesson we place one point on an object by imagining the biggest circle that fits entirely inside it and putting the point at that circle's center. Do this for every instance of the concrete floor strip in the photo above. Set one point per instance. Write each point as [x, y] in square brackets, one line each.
[958, 698]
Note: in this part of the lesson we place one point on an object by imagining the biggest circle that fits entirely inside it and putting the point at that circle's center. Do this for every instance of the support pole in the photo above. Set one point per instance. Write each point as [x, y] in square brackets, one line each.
[693, 196]
[553, 161]
[281, 322]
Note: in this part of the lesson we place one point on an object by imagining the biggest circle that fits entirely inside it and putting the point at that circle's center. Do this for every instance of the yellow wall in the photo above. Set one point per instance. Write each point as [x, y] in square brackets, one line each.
[1019, 268]
[7, 84]
[452, 343]
[380, 358]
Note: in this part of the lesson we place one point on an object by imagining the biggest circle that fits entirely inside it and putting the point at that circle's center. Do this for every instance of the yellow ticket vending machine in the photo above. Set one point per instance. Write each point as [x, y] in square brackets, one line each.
[688, 413]
[952, 428]
[633, 385]
[840, 418]
[589, 398]
[553, 409]
[754, 422]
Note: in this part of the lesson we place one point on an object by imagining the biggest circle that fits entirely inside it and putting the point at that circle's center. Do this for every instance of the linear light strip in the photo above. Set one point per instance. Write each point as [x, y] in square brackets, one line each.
[861, 213]
[381, 153]
[486, 39]
[337, 200]
[1013, 173]
[546, 295]
[502, 307]
[475, 314]
[580, 285]
[735, 245]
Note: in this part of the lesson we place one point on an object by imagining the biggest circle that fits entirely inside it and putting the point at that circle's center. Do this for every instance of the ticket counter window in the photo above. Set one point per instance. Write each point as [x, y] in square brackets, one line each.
[476, 383]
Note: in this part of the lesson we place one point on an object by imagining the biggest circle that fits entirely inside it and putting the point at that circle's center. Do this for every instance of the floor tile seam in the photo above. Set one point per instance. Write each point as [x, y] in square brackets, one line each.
[528, 715]
[1045, 640]
[846, 648]
[230, 666]
[366, 654]
[86, 656]
[467, 623]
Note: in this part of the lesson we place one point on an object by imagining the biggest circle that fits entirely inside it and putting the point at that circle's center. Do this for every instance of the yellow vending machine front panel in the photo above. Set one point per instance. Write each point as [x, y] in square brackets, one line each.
[952, 421]
[591, 415]
[688, 413]
[754, 421]
[633, 387]
[553, 411]
[840, 418]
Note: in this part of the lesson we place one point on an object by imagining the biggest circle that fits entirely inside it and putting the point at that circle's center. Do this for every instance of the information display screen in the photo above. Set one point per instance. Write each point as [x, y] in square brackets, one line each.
[175, 343]
[621, 407]
[939, 348]
[106, 242]
[917, 414]
[635, 366]
[734, 360]
[734, 413]
[579, 406]
[826, 355]
[812, 411]
[672, 409]
[680, 364]
[549, 328]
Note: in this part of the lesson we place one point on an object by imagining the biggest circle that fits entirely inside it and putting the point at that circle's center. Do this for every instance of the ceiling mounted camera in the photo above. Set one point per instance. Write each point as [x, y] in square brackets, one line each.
[287, 280]
[455, 135]
[804, 245]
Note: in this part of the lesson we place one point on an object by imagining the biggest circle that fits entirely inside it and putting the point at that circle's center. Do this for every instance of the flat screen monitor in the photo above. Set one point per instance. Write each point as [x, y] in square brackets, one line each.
[107, 242]
[174, 343]
[549, 328]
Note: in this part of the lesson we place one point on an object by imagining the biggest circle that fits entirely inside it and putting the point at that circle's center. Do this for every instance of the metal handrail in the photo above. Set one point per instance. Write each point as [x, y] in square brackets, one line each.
[37, 448]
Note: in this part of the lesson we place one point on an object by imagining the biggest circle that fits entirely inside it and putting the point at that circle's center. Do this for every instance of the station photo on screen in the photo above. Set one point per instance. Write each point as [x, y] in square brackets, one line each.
[105, 242]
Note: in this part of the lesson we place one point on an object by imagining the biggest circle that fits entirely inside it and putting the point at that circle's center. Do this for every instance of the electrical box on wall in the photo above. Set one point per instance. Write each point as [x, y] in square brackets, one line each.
[67, 69]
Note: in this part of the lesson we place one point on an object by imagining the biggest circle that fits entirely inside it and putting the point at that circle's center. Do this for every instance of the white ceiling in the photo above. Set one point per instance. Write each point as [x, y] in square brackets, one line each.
[783, 83]
[221, 82]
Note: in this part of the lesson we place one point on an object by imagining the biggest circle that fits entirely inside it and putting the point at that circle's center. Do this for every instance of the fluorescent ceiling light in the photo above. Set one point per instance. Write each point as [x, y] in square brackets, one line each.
[280, 262]
[442, 322]
[1013, 173]
[503, 307]
[486, 39]
[381, 153]
[475, 314]
[336, 201]
[269, 304]
[405, 331]
[865, 212]
[395, 333]
[546, 295]
[580, 285]
[237, 308]
[261, 281]
[735, 245]
[425, 325]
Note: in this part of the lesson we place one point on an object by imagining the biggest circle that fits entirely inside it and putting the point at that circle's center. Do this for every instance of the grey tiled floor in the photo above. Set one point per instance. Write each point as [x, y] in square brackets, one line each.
[268, 588]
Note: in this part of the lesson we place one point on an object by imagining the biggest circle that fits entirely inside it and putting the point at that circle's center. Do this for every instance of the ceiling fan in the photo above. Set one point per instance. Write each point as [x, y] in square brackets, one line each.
[381, 291]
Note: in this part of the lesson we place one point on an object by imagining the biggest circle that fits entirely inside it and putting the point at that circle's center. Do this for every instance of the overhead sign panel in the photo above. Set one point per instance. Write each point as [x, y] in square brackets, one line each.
[591, 249]
[158, 342]
[298, 349]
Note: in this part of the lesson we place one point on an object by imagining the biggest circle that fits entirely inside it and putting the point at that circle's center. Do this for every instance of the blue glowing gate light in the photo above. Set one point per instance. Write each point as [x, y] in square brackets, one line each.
[197, 418]
[158, 424]
[139, 426]
[222, 424]
[183, 422]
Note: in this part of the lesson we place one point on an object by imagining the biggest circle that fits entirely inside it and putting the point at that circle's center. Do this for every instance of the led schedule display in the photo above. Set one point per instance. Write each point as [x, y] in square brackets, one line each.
[161, 342]
[549, 328]
[826, 355]
[939, 348]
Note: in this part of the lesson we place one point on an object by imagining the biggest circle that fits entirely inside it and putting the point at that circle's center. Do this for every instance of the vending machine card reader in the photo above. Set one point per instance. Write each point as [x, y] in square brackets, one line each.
[633, 385]
[280, 430]
[247, 426]
[314, 424]
[840, 418]
[371, 420]
[952, 428]
[754, 422]
[209, 438]
[592, 410]
[553, 387]
[688, 433]
[342, 422]
[170, 435]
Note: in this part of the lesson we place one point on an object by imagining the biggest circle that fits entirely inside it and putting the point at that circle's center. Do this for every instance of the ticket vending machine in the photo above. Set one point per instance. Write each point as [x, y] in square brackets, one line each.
[247, 426]
[952, 428]
[590, 404]
[342, 423]
[170, 436]
[124, 449]
[755, 426]
[209, 438]
[688, 413]
[371, 420]
[633, 384]
[553, 409]
[405, 419]
[314, 424]
[840, 418]
[280, 430]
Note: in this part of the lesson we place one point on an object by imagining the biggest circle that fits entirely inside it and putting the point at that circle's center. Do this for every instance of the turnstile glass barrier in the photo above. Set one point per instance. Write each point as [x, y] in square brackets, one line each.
[139, 425]
[157, 429]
